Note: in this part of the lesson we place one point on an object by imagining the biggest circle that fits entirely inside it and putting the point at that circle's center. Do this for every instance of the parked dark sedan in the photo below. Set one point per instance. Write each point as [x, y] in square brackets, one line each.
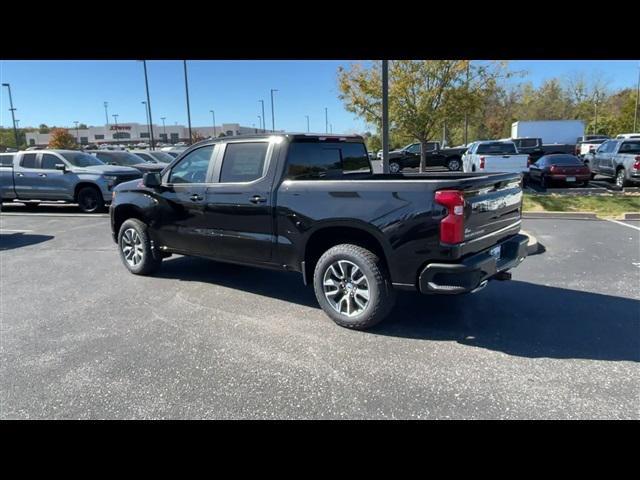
[113, 157]
[568, 169]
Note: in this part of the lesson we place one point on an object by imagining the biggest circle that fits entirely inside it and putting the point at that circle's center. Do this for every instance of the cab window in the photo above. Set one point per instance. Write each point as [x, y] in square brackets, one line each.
[28, 160]
[193, 167]
[49, 161]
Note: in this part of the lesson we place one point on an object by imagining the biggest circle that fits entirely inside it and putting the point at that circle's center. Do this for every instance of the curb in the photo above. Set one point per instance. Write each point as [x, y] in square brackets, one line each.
[632, 216]
[532, 246]
[561, 215]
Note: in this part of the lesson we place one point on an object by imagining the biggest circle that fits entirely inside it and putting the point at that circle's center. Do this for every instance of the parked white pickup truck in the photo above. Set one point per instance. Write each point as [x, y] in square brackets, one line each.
[494, 156]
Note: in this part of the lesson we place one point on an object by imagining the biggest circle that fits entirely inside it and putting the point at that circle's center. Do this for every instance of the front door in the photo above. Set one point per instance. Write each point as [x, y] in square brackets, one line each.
[184, 224]
[53, 183]
[240, 201]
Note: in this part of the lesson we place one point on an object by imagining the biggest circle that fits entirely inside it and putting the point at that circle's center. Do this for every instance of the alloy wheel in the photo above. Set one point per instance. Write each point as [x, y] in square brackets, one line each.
[346, 288]
[131, 245]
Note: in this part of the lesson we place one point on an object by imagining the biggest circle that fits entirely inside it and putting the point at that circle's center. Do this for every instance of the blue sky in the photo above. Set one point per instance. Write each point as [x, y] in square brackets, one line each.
[59, 92]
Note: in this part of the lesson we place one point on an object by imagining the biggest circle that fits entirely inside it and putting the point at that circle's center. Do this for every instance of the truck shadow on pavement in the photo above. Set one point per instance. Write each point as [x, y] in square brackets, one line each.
[526, 320]
[514, 317]
[10, 241]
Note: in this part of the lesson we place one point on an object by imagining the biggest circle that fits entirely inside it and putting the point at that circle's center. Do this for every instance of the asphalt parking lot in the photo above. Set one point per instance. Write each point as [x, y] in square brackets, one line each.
[83, 338]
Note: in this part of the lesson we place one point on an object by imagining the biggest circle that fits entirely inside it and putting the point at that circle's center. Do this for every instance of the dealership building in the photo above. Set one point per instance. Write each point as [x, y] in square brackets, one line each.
[132, 133]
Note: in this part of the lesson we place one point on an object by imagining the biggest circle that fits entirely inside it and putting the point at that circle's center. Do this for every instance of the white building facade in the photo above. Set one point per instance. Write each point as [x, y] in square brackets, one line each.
[132, 133]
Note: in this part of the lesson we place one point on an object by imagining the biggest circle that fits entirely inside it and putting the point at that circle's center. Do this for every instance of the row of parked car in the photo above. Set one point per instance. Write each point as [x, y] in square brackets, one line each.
[617, 158]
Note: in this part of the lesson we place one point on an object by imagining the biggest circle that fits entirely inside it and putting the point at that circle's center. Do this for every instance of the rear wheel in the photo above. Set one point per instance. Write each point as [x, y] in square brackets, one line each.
[454, 164]
[353, 287]
[90, 200]
[621, 178]
[394, 167]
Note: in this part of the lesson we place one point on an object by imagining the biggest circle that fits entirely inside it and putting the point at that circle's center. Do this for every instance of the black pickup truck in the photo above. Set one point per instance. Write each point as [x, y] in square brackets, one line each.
[310, 204]
[535, 148]
[409, 157]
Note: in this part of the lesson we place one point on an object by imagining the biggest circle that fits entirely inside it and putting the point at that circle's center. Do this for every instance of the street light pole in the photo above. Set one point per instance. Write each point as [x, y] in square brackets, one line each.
[385, 117]
[146, 83]
[307, 123]
[115, 119]
[273, 115]
[260, 123]
[77, 135]
[466, 112]
[164, 128]
[13, 115]
[147, 112]
[106, 112]
[213, 113]
[264, 119]
[326, 120]
[186, 88]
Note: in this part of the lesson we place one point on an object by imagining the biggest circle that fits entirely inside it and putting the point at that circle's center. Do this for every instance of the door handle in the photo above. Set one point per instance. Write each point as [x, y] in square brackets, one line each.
[42, 174]
[195, 197]
[18, 174]
[257, 199]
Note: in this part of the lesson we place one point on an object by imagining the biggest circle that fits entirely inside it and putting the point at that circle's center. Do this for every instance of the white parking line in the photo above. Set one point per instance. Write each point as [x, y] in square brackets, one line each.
[624, 224]
[5, 230]
[89, 215]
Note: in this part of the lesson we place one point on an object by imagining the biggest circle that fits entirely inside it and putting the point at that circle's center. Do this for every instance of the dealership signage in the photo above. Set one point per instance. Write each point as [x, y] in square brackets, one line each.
[120, 127]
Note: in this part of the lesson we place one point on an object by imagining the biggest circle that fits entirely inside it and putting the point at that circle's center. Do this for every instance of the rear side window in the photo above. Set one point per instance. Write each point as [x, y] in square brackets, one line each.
[28, 160]
[243, 162]
[496, 149]
[309, 161]
[6, 160]
[630, 147]
[527, 143]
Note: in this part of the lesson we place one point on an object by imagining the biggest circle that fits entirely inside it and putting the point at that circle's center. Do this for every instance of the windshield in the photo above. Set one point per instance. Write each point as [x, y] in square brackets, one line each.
[498, 148]
[162, 157]
[80, 159]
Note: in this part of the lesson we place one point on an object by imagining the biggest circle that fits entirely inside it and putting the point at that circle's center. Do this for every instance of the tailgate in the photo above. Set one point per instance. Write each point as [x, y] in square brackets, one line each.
[492, 211]
[506, 163]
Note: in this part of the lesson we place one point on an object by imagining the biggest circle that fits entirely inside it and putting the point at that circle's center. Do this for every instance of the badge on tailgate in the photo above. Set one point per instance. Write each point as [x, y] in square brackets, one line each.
[496, 252]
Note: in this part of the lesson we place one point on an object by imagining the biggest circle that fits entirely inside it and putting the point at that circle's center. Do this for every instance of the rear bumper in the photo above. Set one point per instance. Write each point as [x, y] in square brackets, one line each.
[473, 271]
[583, 177]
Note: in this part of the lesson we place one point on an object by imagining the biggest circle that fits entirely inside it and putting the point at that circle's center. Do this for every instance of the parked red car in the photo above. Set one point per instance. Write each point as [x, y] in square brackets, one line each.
[567, 169]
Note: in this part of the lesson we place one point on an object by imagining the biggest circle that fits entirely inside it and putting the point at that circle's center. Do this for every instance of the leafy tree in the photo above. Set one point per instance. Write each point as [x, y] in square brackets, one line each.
[61, 138]
[422, 94]
[43, 128]
[196, 136]
[82, 126]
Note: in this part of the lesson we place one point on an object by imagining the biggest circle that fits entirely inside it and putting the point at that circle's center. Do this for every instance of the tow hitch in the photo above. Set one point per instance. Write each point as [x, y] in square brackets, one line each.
[502, 276]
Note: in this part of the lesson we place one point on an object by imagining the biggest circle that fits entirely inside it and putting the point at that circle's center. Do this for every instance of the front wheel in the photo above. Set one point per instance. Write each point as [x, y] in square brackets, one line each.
[90, 200]
[394, 167]
[135, 248]
[454, 164]
[353, 287]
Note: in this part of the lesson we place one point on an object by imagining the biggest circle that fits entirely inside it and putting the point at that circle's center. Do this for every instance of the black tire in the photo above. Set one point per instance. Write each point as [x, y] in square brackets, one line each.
[454, 164]
[394, 167]
[150, 260]
[31, 205]
[544, 182]
[620, 179]
[90, 200]
[381, 295]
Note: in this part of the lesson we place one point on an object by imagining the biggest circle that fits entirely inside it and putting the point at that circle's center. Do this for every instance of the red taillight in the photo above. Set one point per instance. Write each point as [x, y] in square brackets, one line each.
[451, 226]
[636, 165]
[481, 163]
[553, 168]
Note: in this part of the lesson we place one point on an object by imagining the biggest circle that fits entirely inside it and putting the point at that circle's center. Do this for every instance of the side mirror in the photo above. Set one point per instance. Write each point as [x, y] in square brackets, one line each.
[151, 180]
[61, 166]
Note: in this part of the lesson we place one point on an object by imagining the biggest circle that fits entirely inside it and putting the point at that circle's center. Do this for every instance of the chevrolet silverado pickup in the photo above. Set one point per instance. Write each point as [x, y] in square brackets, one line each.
[60, 175]
[494, 156]
[310, 204]
[619, 159]
[409, 157]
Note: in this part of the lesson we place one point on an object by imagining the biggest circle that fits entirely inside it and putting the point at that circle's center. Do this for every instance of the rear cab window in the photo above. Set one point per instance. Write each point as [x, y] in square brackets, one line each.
[497, 148]
[334, 160]
[630, 147]
[243, 162]
[28, 160]
[6, 160]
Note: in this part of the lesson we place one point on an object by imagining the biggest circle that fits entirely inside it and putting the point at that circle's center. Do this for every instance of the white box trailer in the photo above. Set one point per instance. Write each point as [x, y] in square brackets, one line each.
[551, 131]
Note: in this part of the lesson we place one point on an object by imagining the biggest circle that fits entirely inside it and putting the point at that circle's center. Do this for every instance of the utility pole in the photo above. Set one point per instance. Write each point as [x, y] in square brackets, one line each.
[186, 87]
[466, 110]
[264, 119]
[13, 115]
[635, 115]
[273, 116]
[146, 83]
[106, 112]
[385, 116]
[307, 123]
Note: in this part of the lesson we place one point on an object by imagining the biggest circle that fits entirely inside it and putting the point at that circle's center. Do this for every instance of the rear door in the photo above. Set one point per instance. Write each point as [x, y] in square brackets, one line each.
[240, 200]
[26, 176]
[604, 159]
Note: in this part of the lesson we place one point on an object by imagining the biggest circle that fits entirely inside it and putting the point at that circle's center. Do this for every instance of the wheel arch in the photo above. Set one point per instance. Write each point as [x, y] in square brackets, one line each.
[80, 185]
